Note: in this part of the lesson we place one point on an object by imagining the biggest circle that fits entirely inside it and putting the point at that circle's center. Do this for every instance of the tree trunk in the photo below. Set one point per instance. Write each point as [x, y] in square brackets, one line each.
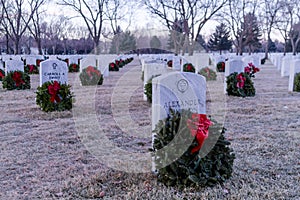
[39, 44]
[267, 49]
[17, 43]
[293, 46]
[7, 44]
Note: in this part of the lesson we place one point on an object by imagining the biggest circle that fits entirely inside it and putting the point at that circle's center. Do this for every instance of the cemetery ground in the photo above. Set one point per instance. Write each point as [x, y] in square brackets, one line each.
[42, 156]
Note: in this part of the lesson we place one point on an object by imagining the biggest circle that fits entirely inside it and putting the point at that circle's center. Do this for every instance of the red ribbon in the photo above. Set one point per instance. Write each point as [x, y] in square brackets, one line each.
[17, 77]
[199, 125]
[91, 70]
[1, 75]
[53, 90]
[241, 81]
[31, 68]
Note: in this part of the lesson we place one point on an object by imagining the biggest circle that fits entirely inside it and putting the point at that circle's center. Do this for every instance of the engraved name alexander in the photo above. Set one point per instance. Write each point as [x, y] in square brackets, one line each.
[183, 104]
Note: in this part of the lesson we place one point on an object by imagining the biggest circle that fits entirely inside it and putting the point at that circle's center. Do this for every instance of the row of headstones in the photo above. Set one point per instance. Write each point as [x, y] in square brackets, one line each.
[288, 66]
[99, 61]
[255, 59]
[155, 65]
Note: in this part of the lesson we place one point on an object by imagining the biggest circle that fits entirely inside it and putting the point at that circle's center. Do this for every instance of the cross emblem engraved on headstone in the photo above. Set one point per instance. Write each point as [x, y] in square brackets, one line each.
[54, 65]
[182, 85]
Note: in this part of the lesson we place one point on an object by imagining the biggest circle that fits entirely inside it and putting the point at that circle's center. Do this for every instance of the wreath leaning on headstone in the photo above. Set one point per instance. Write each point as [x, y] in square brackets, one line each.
[208, 73]
[31, 69]
[73, 67]
[16, 80]
[91, 76]
[240, 84]
[221, 66]
[189, 67]
[53, 96]
[208, 159]
[297, 82]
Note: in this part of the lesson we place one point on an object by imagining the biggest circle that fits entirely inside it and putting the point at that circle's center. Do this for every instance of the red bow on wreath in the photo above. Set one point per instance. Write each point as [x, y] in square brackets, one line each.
[91, 70]
[198, 126]
[53, 91]
[31, 68]
[1, 75]
[17, 77]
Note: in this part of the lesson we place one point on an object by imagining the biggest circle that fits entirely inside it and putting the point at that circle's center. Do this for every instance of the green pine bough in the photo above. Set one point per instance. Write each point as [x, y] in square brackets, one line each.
[297, 82]
[213, 164]
[16, 80]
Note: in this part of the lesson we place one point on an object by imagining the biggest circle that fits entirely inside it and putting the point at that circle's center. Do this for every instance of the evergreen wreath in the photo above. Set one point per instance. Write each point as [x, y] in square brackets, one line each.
[148, 89]
[195, 167]
[208, 73]
[297, 82]
[113, 67]
[170, 63]
[120, 63]
[16, 80]
[189, 67]
[240, 85]
[73, 67]
[91, 76]
[31, 69]
[53, 96]
[2, 74]
[221, 67]
[38, 62]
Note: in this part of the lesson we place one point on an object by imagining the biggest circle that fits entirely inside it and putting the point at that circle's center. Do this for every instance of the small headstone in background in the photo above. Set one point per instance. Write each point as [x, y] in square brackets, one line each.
[13, 65]
[152, 69]
[232, 66]
[89, 60]
[176, 63]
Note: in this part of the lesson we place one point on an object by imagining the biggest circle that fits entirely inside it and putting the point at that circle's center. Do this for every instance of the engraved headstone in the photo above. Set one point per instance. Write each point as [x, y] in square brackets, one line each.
[177, 90]
[53, 70]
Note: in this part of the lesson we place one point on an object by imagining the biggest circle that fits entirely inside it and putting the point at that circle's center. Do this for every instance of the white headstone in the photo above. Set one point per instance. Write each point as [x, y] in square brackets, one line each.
[30, 60]
[88, 60]
[14, 65]
[53, 70]
[295, 68]
[285, 66]
[232, 66]
[153, 69]
[2, 65]
[103, 62]
[177, 90]
[176, 63]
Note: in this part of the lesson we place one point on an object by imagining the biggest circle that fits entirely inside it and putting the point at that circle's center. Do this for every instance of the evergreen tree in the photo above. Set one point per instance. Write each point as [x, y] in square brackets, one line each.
[155, 42]
[272, 46]
[220, 40]
[252, 33]
[126, 41]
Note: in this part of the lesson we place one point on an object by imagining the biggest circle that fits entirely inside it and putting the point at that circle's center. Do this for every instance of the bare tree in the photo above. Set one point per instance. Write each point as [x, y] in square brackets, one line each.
[92, 12]
[270, 12]
[36, 26]
[184, 16]
[16, 18]
[236, 17]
